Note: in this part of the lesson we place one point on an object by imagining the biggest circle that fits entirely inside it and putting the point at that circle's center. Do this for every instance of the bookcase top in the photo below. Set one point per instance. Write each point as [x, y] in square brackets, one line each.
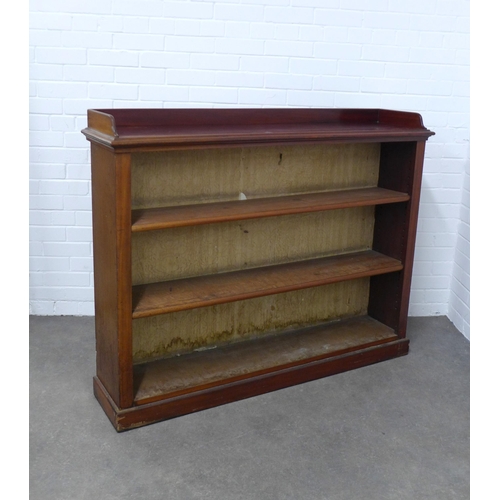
[161, 129]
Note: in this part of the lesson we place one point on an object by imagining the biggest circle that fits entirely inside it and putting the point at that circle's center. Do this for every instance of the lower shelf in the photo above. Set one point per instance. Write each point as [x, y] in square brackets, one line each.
[203, 369]
[202, 291]
[184, 384]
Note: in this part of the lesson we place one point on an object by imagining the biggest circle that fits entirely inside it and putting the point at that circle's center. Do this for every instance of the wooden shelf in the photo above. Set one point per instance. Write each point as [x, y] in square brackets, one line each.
[201, 291]
[192, 215]
[241, 360]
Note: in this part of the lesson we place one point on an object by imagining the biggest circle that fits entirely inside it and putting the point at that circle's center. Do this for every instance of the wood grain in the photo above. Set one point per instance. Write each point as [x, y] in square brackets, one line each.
[202, 291]
[203, 369]
[149, 129]
[192, 215]
[166, 408]
[207, 327]
[112, 272]
[240, 230]
[401, 167]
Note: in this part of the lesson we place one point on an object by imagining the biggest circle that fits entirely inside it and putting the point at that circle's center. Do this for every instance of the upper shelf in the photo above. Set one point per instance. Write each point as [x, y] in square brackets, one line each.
[207, 213]
[153, 129]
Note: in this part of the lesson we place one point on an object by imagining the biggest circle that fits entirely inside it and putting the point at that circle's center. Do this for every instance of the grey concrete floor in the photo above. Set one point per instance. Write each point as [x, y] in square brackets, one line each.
[395, 430]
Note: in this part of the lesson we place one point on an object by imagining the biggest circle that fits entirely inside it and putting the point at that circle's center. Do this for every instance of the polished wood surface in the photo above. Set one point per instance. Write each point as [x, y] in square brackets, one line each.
[236, 361]
[208, 213]
[173, 128]
[401, 167]
[175, 238]
[202, 291]
[182, 332]
[112, 271]
[166, 408]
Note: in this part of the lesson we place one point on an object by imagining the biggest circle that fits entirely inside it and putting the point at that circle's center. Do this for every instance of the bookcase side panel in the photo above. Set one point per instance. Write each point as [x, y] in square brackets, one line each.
[411, 224]
[112, 277]
[395, 232]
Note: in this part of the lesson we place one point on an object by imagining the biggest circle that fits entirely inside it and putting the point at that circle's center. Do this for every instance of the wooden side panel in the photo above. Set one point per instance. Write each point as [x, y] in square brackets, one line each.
[409, 247]
[112, 272]
[101, 123]
[401, 166]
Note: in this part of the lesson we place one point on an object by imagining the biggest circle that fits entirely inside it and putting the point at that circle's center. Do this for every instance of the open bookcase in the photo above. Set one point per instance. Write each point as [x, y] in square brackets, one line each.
[240, 251]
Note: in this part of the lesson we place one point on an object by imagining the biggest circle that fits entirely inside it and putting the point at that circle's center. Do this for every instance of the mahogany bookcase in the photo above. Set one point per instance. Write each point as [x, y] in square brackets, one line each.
[240, 251]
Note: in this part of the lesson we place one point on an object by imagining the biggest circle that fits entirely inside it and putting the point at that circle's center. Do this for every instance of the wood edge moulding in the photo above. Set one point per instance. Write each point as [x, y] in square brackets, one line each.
[381, 335]
[201, 291]
[171, 407]
[162, 129]
[254, 357]
[207, 213]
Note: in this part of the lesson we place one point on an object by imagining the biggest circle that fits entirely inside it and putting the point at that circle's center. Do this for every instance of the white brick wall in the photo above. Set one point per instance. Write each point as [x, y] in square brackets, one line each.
[459, 305]
[407, 54]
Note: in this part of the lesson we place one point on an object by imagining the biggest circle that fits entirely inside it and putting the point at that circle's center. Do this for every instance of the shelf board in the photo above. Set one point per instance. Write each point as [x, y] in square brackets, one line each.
[230, 363]
[202, 291]
[207, 213]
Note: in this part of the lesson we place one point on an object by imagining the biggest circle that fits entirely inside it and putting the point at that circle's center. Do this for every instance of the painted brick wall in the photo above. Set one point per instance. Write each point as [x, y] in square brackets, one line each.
[399, 54]
[459, 305]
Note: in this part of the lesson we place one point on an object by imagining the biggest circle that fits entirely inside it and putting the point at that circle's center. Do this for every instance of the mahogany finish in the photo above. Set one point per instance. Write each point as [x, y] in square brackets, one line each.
[179, 375]
[112, 277]
[165, 408]
[192, 215]
[153, 129]
[134, 395]
[201, 291]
